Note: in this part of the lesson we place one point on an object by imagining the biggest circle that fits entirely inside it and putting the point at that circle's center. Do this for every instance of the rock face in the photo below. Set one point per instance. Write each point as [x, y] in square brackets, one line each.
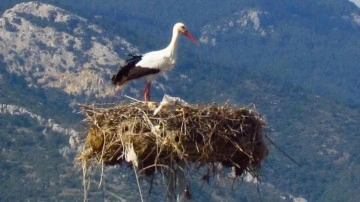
[47, 123]
[242, 21]
[53, 48]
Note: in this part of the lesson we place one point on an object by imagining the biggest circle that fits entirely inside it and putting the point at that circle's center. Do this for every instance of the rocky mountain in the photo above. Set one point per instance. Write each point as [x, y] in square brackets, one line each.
[247, 20]
[53, 48]
[356, 2]
[293, 45]
[297, 70]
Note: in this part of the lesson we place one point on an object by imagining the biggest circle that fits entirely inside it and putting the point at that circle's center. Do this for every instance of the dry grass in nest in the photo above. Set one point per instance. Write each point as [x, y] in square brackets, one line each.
[197, 135]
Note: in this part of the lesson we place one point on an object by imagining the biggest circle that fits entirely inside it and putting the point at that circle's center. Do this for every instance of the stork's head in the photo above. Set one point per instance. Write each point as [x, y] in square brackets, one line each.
[180, 28]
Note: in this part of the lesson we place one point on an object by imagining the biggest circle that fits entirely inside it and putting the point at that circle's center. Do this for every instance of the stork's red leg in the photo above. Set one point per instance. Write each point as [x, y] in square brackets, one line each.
[147, 91]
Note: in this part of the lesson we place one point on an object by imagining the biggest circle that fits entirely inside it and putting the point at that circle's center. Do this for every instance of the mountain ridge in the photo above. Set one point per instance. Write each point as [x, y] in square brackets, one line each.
[293, 47]
[317, 131]
[56, 49]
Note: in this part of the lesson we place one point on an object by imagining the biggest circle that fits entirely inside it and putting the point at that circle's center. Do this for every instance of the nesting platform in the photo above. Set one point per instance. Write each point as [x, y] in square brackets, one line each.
[200, 135]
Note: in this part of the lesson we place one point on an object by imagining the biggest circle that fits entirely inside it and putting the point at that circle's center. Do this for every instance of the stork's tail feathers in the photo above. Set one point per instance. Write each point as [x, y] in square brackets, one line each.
[116, 79]
[122, 76]
[119, 79]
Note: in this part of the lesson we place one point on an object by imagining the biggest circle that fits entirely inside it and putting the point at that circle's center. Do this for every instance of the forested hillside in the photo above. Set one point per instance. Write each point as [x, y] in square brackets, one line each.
[296, 61]
[311, 44]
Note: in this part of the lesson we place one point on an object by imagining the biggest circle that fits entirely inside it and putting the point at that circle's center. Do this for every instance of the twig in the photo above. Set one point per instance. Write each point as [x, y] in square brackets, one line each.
[84, 169]
[282, 151]
[138, 183]
[136, 100]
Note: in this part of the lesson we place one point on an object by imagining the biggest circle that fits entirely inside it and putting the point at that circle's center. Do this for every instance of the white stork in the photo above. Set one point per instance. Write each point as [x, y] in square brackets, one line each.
[152, 64]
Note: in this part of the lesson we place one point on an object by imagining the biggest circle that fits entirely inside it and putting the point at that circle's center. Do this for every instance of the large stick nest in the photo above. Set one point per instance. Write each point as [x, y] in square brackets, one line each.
[197, 135]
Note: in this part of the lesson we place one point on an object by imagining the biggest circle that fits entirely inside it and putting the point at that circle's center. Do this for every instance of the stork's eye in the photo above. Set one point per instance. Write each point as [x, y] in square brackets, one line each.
[183, 27]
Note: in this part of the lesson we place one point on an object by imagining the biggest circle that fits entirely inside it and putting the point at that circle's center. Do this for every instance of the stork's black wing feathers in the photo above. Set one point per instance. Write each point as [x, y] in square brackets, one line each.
[138, 72]
[130, 71]
[123, 72]
[134, 59]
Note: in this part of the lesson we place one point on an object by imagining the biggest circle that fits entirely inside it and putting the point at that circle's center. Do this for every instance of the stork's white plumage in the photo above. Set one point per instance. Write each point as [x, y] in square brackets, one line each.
[152, 64]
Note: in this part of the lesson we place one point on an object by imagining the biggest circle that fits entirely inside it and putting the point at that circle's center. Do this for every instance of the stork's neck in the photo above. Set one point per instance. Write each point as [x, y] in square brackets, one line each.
[173, 43]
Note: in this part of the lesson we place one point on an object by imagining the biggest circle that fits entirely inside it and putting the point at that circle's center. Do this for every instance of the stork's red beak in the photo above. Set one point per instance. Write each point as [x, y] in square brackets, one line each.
[191, 37]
